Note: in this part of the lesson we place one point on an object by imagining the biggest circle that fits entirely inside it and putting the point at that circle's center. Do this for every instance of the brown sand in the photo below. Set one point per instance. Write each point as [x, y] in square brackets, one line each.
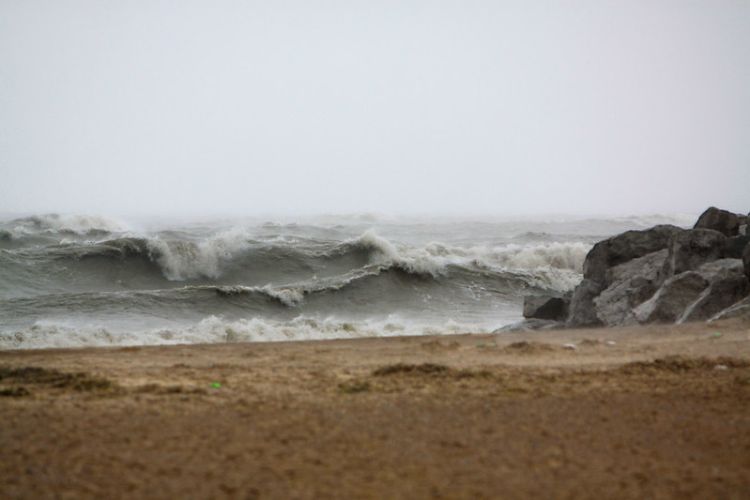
[658, 412]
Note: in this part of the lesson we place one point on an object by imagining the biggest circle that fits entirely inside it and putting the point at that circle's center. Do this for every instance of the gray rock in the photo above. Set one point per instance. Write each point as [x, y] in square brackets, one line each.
[624, 247]
[696, 295]
[727, 285]
[691, 249]
[735, 246]
[673, 297]
[743, 230]
[739, 310]
[632, 283]
[650, 265]
[529, 325]
[582, 311]
[721, 268]
[746, 260]
[727, 223]
[546, 307]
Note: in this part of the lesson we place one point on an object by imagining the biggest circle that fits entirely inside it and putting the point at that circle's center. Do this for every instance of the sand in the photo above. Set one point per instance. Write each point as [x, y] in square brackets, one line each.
[648, 412]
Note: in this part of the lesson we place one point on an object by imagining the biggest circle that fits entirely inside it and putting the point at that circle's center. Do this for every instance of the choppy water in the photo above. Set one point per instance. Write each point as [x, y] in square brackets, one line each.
[80, 280]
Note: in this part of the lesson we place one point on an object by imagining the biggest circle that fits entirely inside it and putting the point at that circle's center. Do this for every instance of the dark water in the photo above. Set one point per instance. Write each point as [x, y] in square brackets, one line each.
[75, 280]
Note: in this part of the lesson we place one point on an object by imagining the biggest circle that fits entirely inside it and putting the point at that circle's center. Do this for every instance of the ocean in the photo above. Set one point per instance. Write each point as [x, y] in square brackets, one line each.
[73, 281]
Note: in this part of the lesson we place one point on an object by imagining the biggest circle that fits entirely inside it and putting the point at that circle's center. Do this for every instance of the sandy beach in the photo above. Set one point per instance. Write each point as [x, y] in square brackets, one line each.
[658, 412]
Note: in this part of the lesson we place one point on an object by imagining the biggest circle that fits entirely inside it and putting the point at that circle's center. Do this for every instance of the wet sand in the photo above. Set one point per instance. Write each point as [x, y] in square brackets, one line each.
[658, 412]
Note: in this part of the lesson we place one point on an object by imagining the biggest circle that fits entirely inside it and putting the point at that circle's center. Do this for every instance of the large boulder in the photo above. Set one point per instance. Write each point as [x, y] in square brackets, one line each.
[670, 301]
[725, 222]
[739, 310]
[582, 311]
[697, 294]
[727, 285]
[735, 246]
[691, 249]
[546, 307]
[624, 247]
[631, 284]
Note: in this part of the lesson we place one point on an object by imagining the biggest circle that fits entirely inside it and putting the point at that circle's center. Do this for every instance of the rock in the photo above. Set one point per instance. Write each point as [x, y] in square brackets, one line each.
[743, 230]
[690, 249]
[671, 300]
[727, 223]
[728, 284]
[721, 268]
[624, 247]
[546, 307]
[528, 325]
[735, 246]
[739, 310]
[696, 295]
[632, 283]
[582, 311]
[746, 260]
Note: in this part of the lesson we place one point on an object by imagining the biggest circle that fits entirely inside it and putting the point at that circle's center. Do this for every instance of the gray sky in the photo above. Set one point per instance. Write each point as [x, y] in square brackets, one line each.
[397, 107]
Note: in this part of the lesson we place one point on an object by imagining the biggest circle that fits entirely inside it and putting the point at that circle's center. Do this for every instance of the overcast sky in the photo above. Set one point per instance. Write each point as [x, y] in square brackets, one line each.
[465, 107]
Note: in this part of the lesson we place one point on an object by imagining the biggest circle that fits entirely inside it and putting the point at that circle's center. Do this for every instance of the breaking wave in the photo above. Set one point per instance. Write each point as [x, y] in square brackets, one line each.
[81, 280]
[215, 329]
[56, 224]
[233, 257]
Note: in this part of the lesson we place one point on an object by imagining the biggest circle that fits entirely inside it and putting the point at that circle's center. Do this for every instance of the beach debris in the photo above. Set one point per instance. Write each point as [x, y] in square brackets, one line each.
[716, 335]
[525, 347]
[611, 342]
[216, 385]
[570, 347]
[14, 392]
[403, 368]
[354, 387]
[78, 381]
[721, 367]
[487, 345]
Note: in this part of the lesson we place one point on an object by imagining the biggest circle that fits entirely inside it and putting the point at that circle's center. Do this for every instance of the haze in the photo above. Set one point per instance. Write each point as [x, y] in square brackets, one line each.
[157, 107]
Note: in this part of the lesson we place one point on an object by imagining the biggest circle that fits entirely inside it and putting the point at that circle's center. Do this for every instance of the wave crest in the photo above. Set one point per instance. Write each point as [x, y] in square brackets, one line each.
[82, 225]
[216, 329]
[434, 258]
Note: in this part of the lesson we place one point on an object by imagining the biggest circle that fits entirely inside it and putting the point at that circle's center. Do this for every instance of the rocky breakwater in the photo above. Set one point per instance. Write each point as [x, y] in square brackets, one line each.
[665, 274]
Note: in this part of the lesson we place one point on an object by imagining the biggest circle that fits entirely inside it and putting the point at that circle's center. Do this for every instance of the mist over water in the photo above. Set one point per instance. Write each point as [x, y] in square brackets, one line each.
[481, 116]
[89, 280]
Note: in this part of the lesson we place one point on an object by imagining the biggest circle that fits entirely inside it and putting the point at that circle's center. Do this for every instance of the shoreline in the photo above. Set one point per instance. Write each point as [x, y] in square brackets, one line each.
[617, 412]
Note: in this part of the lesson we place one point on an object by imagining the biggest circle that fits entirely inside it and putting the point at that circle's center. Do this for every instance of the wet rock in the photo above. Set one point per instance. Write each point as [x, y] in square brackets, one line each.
[546, 307]
[691, 249]
[727, 285]
[727, 223]
[735, 246]
[739, 310]
[673, 297]
[632, 283]
[624, 247]
[696, 295]
[582, 310]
